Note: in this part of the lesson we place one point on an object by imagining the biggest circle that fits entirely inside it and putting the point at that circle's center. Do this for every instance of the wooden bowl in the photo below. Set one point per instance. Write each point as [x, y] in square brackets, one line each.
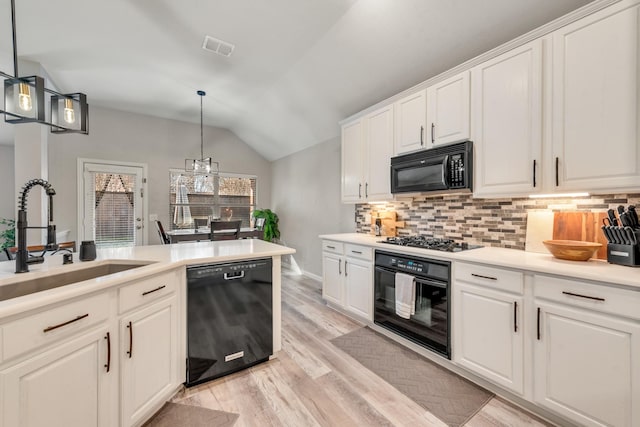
[573, 250]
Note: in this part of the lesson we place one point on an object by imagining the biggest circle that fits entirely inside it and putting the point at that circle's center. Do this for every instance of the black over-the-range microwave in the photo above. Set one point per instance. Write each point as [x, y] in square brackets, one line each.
[445, 168]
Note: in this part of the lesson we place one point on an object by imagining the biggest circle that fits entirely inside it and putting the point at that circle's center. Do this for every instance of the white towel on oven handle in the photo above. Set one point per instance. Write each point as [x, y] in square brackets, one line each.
[405, 295]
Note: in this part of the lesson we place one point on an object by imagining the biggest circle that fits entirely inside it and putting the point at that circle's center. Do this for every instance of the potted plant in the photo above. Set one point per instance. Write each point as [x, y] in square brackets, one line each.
[270, 225]
[8, 235]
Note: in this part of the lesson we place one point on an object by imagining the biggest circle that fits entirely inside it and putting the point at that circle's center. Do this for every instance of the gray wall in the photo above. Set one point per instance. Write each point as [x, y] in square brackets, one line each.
[160, 143]
[306, 197]
[7, 193]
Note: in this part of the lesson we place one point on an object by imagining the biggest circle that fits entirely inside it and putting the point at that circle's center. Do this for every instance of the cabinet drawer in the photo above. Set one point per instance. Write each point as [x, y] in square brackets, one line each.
[357, 251]
[505, 280]
[141, 292]
[606, 299]
[53, 325]
[331, 246]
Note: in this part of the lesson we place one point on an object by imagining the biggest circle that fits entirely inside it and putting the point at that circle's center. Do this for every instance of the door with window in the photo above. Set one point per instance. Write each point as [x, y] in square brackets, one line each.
[111, 203]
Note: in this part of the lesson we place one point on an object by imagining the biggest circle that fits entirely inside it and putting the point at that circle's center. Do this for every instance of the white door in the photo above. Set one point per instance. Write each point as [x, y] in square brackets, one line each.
[596, 93]
[67, 386]
[506, 94]
[358, 286]
[411, 122]
[352, 160]
[149, 353]
[586, 366]
[332, 278]
[379, 137]
[489, 335]
[448, 116]
[111, 204]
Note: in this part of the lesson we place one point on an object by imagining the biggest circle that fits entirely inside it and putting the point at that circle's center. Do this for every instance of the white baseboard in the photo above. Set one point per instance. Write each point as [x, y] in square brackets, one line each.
[312, 276]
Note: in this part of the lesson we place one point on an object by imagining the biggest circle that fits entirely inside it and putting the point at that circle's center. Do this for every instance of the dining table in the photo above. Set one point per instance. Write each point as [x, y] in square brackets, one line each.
[203, 233]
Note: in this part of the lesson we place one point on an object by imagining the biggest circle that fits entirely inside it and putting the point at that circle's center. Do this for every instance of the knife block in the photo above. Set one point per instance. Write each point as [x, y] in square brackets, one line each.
[623, 254]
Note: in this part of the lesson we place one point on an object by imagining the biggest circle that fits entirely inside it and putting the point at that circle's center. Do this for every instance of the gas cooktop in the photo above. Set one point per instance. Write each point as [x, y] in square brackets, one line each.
[432, 243]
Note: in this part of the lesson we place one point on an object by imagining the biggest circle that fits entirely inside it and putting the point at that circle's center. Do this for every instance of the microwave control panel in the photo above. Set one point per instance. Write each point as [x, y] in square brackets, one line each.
[456, 171]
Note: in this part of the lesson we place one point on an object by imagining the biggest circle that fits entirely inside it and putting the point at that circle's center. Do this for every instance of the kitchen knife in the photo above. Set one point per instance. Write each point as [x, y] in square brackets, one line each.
[631, 236]
[620, 234]
[605, 231]
[624, 220]
[633, 215]
[614, 235]
[612, 217]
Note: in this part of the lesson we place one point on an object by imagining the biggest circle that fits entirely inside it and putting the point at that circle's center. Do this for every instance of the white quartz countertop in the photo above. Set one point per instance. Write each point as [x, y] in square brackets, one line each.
[592, 270]
[159, 258]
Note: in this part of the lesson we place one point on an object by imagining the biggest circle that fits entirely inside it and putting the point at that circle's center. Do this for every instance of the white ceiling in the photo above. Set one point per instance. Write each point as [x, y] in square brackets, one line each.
[299, 66]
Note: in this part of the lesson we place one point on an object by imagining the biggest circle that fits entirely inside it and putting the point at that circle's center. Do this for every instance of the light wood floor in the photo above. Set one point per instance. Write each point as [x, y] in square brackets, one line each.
[313, 383]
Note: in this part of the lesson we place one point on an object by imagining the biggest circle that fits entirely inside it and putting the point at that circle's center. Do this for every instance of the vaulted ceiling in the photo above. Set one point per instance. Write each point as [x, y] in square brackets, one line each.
[299, 66]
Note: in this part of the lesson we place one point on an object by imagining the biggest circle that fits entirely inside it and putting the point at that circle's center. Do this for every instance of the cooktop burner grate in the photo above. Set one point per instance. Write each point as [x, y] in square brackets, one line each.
[437, 244]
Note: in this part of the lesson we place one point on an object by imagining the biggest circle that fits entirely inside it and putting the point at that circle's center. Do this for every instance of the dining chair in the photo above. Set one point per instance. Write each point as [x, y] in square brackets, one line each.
[164, 239]
[233, 228]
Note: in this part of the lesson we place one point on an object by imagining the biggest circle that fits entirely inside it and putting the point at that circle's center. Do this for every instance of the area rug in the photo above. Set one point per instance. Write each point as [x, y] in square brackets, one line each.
[448, 396]
[178, 415]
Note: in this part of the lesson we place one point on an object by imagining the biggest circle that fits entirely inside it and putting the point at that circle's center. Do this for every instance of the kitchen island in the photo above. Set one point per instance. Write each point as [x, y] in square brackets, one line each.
[108, 350]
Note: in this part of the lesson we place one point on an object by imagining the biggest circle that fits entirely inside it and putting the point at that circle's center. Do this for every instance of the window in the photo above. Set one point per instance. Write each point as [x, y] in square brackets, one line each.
[194, 200]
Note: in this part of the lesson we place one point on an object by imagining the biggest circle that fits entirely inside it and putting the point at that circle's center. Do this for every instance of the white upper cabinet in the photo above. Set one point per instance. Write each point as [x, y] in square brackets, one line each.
[352, 159]
[507, 122]
[379, 143]
[448, 110]
[411, 122]
[595, 93]
[367, 147]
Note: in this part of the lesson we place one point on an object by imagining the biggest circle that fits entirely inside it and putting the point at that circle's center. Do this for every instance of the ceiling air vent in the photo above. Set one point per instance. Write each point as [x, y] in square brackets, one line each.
[218, 46]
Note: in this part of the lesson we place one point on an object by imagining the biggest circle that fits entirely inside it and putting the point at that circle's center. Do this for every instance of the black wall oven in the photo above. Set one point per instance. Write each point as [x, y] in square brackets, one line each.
[446, 168]
[430, 324]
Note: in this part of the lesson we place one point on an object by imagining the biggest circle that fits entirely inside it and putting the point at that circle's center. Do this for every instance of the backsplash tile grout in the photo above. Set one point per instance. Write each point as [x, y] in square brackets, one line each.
[487, 222]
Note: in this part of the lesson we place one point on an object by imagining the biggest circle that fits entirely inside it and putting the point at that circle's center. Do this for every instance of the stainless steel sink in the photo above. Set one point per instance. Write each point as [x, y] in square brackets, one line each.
[40, 284]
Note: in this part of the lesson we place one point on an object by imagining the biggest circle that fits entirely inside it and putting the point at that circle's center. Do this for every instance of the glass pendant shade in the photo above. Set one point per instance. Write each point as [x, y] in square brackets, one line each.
[24, 100]
[202, 166]
[69, 113]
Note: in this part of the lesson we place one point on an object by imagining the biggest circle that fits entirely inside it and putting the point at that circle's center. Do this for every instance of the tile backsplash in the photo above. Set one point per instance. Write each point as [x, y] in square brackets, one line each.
[487, 222]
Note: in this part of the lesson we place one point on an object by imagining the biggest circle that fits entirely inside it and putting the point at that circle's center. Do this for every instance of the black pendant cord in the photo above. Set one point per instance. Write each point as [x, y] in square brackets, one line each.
[201, 131]
[15, 43]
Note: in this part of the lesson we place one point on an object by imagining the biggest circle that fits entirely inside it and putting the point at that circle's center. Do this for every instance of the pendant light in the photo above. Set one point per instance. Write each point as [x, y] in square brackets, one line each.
[24, 99]
[202, 166]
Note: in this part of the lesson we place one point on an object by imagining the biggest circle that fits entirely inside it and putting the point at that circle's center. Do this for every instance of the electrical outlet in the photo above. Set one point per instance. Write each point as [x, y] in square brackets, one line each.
[153, 217]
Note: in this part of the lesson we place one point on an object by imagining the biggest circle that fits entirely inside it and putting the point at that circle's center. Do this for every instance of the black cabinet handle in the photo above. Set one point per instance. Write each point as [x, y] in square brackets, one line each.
[483, 277]
[153, 290]
[557, 176]
[534, 172]
[359, 191]
[539, 323]
[130, 352]
[583, 296]
[421, 135]
[331, 247]
[51, 328]
[339, 266]
[108, 365]
[345, 268]
[515, 316]
[357, 252]
[433, 138]
[366, 189]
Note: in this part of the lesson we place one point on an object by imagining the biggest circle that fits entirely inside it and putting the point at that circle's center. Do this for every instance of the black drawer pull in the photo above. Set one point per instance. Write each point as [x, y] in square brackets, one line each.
[51, 328]
[331, 247]
[154, 290]
[515, 316]
[583, 296]
[108, 338]
[539, 312]
[483, 277]
[534, 172]
[557, 174]
[357, 252]
[345, 268]
[130, 327]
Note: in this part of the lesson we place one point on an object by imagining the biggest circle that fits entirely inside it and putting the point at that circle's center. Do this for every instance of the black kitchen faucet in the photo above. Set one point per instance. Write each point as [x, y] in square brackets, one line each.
[22, 255]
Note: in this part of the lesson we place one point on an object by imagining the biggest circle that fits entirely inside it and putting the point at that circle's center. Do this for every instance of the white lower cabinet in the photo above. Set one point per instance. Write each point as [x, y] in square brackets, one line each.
[488, 335]
[71, 384]
[148, 354]
[586, 360]
[347, 277]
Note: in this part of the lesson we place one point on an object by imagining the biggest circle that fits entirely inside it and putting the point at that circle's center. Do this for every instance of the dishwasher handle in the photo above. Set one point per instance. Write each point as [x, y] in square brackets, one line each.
[233, 276]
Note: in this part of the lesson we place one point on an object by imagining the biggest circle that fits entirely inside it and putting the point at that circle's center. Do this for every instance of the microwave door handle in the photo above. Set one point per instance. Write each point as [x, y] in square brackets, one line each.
[445, 172]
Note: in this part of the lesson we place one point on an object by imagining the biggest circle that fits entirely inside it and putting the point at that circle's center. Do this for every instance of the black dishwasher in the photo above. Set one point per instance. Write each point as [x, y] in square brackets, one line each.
[229, 318]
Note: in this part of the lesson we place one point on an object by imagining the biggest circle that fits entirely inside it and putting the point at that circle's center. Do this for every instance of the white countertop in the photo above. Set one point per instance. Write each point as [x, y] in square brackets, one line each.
[160, 258]
[592, 270]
